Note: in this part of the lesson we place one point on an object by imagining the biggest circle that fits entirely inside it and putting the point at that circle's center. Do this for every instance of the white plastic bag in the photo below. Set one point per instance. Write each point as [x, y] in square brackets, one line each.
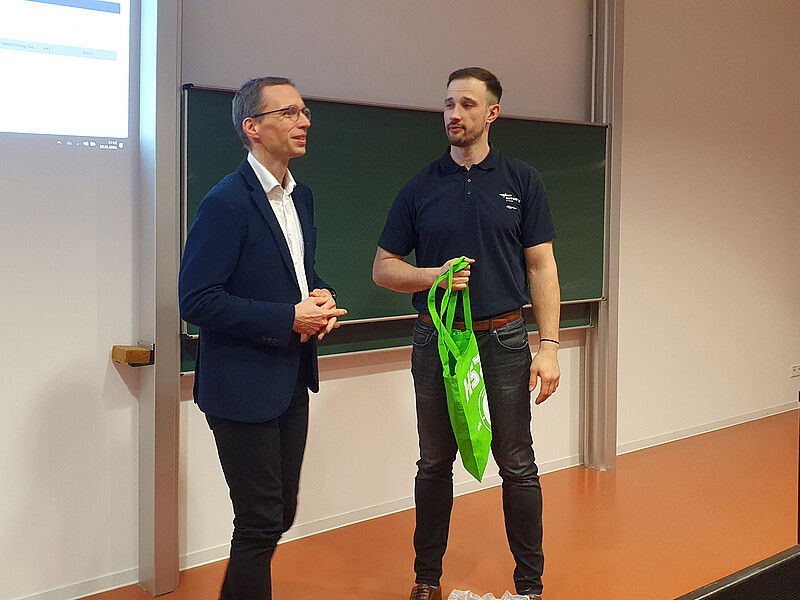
[468, 595]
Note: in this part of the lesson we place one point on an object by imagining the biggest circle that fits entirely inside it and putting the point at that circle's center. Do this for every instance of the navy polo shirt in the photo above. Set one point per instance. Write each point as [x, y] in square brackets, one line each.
[491, 213]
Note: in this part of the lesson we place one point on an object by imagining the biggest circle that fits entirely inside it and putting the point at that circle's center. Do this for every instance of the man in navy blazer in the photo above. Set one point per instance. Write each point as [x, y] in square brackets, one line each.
[248, 281]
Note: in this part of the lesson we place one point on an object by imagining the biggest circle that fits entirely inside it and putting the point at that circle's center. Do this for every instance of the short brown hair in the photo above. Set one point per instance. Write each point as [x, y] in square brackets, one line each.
[247, 101]
[493, 87]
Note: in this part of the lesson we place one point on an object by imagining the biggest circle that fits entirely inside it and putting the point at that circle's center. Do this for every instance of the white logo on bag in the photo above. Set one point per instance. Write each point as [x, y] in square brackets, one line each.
[473, 379]
[484, 409]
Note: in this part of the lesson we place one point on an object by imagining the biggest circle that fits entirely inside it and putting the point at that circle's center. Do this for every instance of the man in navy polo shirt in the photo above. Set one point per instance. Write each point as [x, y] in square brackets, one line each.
[477, 203]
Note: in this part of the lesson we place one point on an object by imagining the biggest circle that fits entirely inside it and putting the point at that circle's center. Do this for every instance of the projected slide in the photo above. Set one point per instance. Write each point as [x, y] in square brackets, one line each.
[64, 67]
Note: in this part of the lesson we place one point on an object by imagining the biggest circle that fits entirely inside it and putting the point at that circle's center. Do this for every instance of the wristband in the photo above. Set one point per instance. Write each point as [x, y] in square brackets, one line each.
[548, 340]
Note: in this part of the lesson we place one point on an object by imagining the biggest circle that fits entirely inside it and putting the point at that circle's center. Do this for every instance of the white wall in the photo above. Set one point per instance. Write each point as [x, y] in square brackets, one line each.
[710, 215]
[69, 428]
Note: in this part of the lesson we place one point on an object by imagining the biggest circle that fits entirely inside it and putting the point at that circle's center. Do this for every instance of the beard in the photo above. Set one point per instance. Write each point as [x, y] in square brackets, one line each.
[467, 137]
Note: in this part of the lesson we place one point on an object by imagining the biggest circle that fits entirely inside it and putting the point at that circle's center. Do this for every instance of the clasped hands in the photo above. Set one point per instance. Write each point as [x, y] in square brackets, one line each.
[317, 314]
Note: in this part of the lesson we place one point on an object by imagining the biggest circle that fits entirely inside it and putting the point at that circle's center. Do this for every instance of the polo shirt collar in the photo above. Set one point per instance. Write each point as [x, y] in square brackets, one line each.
[448, 165]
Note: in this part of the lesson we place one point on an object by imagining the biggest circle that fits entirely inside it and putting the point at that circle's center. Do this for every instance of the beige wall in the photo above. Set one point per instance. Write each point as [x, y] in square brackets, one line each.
[399, 53]
[710, 215]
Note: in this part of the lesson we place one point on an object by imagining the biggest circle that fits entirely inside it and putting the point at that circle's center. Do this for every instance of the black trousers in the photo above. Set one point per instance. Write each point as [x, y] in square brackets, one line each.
[261, 463]
[505, 361]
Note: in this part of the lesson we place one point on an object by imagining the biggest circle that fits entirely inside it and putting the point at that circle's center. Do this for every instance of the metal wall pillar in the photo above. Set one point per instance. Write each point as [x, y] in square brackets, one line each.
[600, 410]
[158, 311]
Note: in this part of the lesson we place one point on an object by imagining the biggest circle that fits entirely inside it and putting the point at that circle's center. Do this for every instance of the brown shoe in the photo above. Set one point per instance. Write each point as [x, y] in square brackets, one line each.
[422, 591]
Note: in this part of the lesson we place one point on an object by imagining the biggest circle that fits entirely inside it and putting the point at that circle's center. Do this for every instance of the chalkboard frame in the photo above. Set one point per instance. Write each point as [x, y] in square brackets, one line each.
[392, 330]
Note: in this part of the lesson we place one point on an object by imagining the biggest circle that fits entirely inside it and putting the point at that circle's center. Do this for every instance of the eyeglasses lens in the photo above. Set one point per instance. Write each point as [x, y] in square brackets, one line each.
[294, 111]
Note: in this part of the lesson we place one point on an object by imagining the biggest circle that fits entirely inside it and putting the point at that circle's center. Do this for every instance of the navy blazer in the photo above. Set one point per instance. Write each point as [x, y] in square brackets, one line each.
[238, 284]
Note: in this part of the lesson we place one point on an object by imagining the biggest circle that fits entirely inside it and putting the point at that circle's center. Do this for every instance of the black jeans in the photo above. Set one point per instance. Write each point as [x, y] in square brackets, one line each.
[261, 463]
[505, 360]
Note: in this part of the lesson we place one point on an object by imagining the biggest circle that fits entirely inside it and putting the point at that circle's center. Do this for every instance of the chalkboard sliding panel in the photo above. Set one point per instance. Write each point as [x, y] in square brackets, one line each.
[395, 333]
[359, 156]
[573, 302]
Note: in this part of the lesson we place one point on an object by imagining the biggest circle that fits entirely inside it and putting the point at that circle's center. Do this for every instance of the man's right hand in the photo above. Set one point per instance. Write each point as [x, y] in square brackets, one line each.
[460, 278]
[310, 316]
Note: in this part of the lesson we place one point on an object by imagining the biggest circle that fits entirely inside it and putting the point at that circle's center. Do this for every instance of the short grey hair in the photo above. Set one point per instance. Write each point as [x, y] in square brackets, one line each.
[247, 101]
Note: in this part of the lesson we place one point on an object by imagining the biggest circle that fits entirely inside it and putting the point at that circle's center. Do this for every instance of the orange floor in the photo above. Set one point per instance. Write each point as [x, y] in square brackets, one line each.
[668, 520]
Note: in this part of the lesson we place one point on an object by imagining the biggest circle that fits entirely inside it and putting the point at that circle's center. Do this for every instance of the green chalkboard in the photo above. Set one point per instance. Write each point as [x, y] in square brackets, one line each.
[359, 157]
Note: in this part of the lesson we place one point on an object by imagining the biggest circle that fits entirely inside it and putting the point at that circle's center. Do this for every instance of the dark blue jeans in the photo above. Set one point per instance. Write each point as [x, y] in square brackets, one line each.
[505, 360]
[261, 463]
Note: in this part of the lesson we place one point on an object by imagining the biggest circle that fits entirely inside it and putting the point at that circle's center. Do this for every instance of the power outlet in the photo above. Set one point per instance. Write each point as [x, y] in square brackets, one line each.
[795, 371]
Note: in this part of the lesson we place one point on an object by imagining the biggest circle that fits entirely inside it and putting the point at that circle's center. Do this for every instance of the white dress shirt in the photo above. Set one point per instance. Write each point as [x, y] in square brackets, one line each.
[282, 204]
[280, 199]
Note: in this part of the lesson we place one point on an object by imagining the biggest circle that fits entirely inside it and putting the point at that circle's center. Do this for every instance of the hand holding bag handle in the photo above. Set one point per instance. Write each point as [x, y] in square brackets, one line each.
[444, 317]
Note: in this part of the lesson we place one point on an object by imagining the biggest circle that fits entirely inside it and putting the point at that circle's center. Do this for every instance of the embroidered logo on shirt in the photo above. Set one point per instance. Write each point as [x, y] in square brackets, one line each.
[511, 201]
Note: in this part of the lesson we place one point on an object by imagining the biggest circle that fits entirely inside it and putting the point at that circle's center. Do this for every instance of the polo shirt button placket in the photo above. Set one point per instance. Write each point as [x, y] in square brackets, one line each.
[468, 191]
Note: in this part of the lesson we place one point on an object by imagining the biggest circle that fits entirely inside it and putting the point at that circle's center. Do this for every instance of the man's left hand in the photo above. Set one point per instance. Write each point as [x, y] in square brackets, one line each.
[545, 367]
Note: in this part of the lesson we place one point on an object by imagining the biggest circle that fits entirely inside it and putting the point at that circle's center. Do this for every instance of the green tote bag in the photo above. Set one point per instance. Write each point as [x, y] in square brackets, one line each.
[463, 376]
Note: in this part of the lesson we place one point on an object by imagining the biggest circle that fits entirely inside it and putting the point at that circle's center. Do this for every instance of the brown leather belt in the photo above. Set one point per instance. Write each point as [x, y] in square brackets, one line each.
[486, 325]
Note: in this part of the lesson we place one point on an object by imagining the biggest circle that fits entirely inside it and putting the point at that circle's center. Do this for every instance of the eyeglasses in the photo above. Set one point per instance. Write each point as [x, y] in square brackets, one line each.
[292, 111]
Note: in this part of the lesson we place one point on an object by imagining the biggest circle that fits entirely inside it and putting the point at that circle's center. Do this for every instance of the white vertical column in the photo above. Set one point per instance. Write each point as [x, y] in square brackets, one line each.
[158, 311]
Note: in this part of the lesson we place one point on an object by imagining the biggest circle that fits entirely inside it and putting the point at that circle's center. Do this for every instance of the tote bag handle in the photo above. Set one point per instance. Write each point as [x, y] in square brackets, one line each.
[444, 317]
